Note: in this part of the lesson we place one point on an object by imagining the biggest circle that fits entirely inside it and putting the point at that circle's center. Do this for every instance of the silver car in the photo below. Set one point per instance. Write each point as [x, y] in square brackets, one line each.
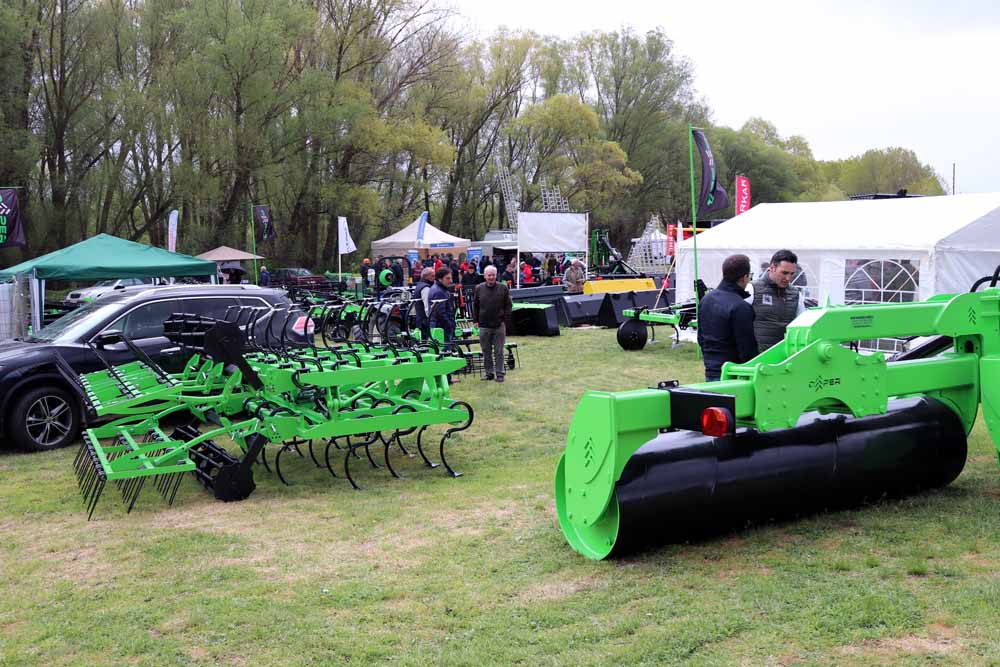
[103, 287]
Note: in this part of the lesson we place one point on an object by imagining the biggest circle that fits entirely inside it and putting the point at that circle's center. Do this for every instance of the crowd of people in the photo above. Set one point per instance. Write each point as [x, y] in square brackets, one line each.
[735, 324]
[530, 269]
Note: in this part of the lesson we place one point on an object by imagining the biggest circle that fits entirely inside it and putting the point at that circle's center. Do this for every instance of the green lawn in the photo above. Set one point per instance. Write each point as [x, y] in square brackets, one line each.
[469, 571]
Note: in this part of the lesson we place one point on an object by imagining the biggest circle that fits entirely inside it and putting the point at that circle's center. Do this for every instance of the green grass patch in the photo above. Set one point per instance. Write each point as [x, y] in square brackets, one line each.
[470, 571]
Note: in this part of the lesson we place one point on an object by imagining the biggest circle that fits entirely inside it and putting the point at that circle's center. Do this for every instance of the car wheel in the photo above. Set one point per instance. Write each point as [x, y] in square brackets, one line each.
[44, 418]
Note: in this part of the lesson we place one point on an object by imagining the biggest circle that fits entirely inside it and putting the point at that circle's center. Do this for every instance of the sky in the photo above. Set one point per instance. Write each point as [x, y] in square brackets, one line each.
[847, 75]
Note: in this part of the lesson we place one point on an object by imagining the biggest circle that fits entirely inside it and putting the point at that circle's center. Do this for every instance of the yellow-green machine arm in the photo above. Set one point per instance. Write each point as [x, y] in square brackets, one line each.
[808, 423]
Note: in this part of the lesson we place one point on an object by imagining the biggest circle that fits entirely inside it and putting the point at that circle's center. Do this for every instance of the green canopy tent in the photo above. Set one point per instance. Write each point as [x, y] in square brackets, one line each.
[104, 257]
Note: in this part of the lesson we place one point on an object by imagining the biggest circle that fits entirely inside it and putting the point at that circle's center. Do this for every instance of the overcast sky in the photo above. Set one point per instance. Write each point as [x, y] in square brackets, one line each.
[847, 75]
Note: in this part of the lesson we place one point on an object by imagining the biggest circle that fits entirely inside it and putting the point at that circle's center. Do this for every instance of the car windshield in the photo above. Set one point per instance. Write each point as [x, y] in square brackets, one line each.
[73, 325]
[105, 283]
[300, 272]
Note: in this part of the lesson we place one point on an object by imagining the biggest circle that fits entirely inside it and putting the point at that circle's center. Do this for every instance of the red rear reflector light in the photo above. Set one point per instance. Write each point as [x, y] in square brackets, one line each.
[304, 326]
[715, 422]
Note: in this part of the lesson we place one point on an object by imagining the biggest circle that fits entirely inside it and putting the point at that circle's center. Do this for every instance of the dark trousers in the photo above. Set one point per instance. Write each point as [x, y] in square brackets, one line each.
[713, 374]
[491, 340]
[448, 326]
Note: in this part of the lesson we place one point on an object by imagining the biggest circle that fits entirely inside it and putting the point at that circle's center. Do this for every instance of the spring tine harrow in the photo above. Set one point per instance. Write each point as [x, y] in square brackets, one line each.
[251, 383]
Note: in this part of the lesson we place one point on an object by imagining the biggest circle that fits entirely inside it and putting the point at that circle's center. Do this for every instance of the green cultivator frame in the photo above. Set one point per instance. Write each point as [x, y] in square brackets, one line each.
[808, 424]
[246, 383]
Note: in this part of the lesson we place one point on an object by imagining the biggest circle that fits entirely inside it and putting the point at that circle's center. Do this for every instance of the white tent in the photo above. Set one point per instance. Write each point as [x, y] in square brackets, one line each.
[864, 251]
[406, 239]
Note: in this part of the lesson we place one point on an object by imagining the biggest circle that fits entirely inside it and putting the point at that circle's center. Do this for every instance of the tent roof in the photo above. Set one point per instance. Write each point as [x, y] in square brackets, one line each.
[226, 254]
[104, 256]
[920, 223]
[407, 236]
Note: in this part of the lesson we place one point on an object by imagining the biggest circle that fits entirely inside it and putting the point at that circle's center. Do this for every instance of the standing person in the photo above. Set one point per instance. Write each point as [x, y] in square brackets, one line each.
[552, 265]
[456, 271]
[491, 308]
[775, 301]
[265, 276]
[421, 296]
[397, 274]
[442, 306]
[574, 277]
[469, 278]
[365, 265]
[725, 319]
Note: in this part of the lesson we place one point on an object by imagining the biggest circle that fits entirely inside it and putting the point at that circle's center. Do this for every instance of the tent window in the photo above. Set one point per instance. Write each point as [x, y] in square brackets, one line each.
[881, 281]
[805, 280]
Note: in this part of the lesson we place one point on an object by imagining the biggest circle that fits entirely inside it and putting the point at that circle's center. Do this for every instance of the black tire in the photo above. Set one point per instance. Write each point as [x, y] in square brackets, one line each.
[632, 334]
[43, 419]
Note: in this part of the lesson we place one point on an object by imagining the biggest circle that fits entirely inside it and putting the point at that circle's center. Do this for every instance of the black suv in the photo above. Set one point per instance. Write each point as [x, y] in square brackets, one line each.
[38, 411]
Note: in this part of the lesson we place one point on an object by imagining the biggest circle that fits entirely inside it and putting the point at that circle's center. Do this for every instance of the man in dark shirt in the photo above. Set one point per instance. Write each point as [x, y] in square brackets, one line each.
[725, 319]
[421, 296]
[443, 306]
[491, 307]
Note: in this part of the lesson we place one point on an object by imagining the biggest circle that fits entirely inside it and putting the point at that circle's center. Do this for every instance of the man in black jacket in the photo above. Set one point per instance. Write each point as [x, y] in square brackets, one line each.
[421, 296]
[491, 308]
[725, 319]
[442, 306]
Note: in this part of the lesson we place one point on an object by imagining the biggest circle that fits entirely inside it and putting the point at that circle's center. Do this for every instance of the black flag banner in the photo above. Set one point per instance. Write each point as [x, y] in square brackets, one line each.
[11, 220]
[712, 197]
[264, 225]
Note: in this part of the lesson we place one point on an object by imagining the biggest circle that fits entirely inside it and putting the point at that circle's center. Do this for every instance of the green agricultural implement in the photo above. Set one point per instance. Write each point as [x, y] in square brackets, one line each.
[811, 423]
[632, 333]
[264, 392]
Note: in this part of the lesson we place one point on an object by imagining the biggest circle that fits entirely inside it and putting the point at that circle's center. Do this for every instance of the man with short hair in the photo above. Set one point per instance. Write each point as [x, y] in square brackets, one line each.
[421, 295]
[491, 308]
[442, 306]
[775, 302]
[725, 319]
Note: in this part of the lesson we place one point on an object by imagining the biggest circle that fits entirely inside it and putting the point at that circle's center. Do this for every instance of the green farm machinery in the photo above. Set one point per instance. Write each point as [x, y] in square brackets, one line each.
[248, 384]
[632, 332]
[809, 424]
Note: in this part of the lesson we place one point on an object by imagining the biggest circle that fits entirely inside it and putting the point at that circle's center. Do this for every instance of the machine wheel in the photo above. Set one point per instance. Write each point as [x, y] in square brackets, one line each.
[45, 418]
[632, 334]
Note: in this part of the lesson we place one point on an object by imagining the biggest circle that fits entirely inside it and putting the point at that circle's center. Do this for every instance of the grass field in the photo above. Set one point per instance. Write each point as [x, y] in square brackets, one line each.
[471, 571]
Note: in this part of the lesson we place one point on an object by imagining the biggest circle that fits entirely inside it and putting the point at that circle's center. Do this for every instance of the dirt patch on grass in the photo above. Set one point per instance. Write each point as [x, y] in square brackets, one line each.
[548, 591]
[939, 640]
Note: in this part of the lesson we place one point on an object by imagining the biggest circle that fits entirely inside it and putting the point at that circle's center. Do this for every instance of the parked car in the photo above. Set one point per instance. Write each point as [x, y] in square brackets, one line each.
[86, 294]
[39, 411]
[296, 277]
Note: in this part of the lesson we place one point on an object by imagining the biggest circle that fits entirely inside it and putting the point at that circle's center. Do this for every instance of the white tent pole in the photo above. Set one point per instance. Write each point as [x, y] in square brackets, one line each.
[36, 306]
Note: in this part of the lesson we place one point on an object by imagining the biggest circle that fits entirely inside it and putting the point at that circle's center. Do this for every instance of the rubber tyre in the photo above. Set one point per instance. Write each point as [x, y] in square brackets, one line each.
[632, 334]
[17, 427]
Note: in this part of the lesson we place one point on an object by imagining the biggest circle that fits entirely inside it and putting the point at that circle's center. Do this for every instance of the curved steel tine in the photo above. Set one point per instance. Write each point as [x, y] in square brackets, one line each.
[263, 458]
[347, 468]
[456, 429]
[420, 448]
[385, 455]
[312, 455]
[277, 464]
[326, 455]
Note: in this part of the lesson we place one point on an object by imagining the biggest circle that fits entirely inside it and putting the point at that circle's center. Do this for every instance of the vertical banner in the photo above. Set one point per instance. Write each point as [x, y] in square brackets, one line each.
[263, 224]
[413, 256]
[742, 194]
[712, 197]
[671, 240]
[475, 254]
[344, 241]
[422, 227]
[11, 220]
[172, 231]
